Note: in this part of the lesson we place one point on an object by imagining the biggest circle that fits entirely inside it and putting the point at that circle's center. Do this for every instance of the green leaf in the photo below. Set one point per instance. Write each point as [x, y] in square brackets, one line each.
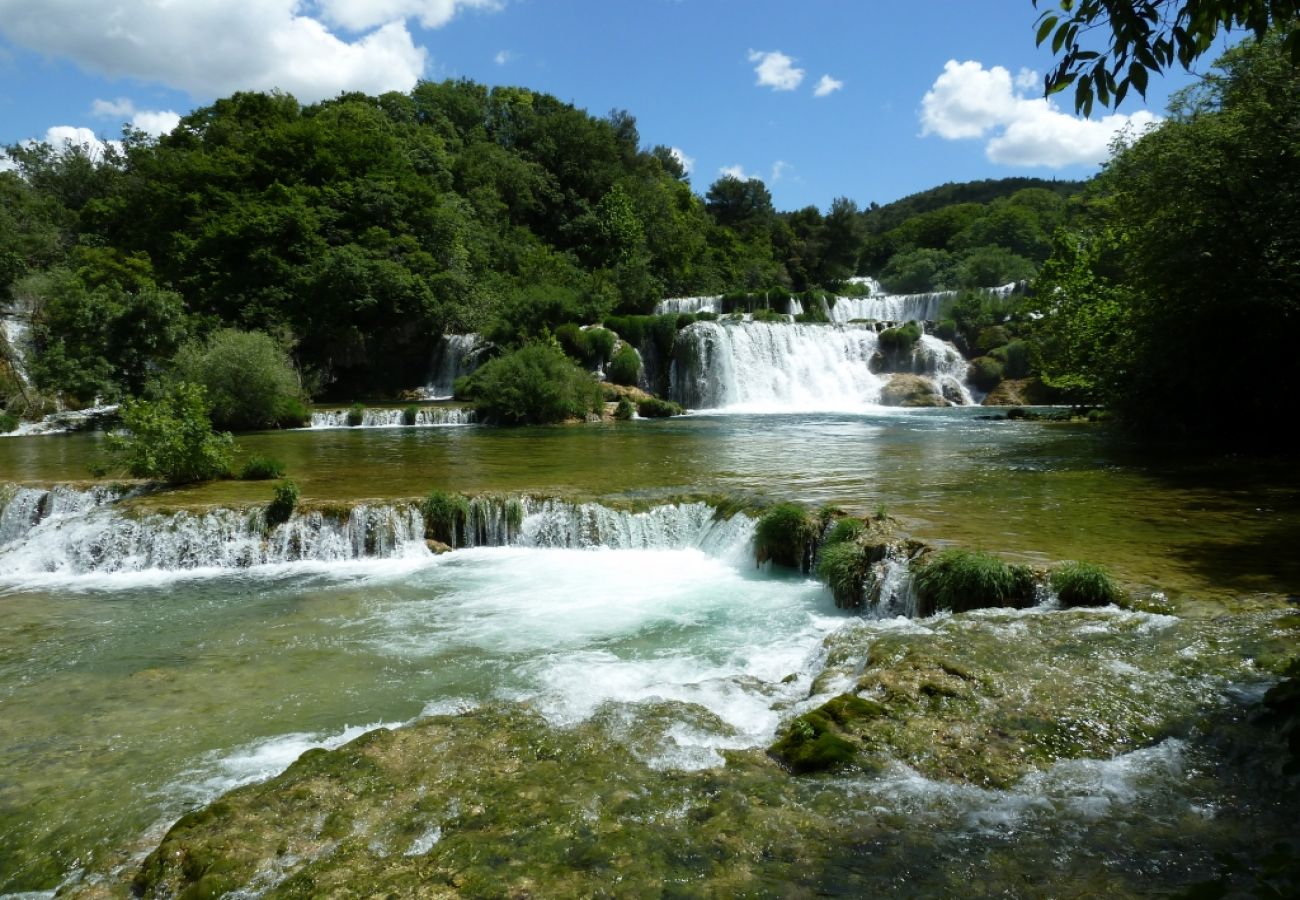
[1049, 22]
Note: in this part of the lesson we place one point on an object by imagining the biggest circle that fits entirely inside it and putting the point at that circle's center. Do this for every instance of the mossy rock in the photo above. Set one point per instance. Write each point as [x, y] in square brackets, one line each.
[1019, 392]
[911, 391]
[817, 740]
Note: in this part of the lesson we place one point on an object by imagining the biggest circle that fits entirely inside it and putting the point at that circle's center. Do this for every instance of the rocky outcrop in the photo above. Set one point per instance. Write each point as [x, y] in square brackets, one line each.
[912, 391]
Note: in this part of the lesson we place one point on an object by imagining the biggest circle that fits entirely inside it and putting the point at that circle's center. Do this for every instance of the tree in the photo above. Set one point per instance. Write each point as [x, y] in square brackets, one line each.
[1148, 36]
[171, 438]
[246, 375]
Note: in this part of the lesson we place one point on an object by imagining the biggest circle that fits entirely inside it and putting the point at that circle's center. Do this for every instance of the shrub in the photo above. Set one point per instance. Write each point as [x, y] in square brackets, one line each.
[356, 415]
[261, 468]
[993, 336]
[844, 567]
[283, 502]
[706, 315]
[770, 315]
[591, 347]
[846, 529]
[1015, 361]
[8, 422]
[625, 367]
[900, 340]
[624, 410]
[787, 535]
[985, 373]
[248, 377]
[654, 408]
[960, 580]
[446, 517]
[293, 413]
[410, 414]
[1083, 584]
[536, 384]
[171, 438]
[946, 330]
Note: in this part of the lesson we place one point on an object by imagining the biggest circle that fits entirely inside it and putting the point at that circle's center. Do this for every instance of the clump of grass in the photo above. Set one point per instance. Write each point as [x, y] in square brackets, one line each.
[844, 568]
[1084, 584]
[961, 580]
[845, 530]
[283, 502]
[445, 517]
[261, 468]
[623, 411]
[8, 422]
[787, 535]
[410, 414]
[356, 414]
[654, 408]
[625, 367]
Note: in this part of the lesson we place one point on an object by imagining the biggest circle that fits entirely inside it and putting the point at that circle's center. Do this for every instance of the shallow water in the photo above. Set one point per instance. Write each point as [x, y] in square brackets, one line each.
[126, 699]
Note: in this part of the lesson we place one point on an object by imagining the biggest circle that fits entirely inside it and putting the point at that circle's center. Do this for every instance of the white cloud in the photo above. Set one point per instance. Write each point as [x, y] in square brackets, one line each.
[687, 162]
[779, 168]
[362, 15]
[775, 70]
[1028, 79]
[735, 172]
[827, 86]
[149, 121]
[502, 57]
[214, 47]
[60, 137]
[969, 101]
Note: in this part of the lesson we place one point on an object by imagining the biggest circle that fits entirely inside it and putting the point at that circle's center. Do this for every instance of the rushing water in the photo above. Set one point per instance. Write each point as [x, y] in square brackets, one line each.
[157, 650]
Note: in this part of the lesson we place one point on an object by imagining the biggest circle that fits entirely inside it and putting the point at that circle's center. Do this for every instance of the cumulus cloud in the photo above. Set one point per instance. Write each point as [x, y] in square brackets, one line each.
[735, 172]
[968, 101]
[827, 86]
[362, 15]
[149, 121]
[687, 162]
[775, 70]
[215, 47]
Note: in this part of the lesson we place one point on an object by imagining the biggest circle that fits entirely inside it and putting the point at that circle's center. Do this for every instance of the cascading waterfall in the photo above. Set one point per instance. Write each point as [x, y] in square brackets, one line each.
[65, 532]
[456, 355]
[692, 305]
[13, 330]
[765, 366]
[425, 417]
[945, 366]
[891, 307]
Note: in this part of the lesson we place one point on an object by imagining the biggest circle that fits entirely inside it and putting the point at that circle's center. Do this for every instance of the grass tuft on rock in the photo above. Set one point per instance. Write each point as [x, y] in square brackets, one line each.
[844, 568]
[446, 517]
[787, 535]
[961, 580]
[283, 502]
[1084, 584]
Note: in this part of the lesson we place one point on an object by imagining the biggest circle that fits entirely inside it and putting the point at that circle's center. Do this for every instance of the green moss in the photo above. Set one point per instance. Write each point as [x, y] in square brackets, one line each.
[900, 341]
[786, 534]
[446, 517]
[810, 744]
[960, 580]
[1084, 584]
[654, 408]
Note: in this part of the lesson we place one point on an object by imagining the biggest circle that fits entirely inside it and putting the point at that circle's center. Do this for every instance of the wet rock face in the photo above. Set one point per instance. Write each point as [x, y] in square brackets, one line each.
[912, 391]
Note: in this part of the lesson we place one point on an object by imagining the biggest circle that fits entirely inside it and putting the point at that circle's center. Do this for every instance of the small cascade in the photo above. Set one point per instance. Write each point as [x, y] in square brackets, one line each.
[945, 366]
[889, 586]
[891, 307]
[761, 365]
[22, 509]
[557, 523]
[425, 417]
[14, 329]
[692, 305]
[455, 356]
[68, 420]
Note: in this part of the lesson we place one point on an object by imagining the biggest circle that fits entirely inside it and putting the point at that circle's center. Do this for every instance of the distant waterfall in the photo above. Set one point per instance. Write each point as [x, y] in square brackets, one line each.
[14, 329]
[456, 355]
[766, 366]
[425, 417]
[689, 305]
[891, 307]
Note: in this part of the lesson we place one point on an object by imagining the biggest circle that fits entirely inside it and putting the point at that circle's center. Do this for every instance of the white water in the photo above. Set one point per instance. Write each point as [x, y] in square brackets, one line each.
[63, 422]
[15, 329]
[456, 355]
[763, 367]
[425, 417]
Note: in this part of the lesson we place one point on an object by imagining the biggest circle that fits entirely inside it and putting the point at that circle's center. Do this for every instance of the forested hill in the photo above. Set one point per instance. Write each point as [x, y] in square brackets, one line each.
[357, 230]
[879, 218]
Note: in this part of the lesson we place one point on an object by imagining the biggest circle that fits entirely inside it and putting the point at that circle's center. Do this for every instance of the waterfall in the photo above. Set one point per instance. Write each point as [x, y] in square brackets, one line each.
[691, 305]
[456, 355]
[947, 367]
[13, 339]
[65, 532]
[891, 307]
[425, 417]
[778, 367]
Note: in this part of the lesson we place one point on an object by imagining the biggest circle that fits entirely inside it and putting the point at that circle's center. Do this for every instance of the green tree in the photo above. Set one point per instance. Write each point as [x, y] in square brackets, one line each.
[535, 385]
[248, 378]
[171, 438]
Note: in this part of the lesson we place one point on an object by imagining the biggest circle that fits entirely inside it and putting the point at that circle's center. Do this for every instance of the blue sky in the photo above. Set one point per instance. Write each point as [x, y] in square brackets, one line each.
[918, 94]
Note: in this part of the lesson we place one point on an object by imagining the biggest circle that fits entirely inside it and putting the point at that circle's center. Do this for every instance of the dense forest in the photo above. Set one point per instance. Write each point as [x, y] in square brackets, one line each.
[345, 237]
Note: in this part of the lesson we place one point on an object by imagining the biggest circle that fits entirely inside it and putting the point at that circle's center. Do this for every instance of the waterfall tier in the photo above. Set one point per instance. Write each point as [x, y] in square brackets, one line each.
[425, 417]
[455, 356]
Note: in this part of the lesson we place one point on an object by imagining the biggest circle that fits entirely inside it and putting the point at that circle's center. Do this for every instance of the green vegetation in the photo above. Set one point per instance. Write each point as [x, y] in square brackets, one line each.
[625, 367]
[534, 385]
[446, 517]
[845, 529]
[356, 415]
[171, 438]
[284, 501]
[1084, 584]
[786, 535]
[985, 373]
[961, 580]
[624, 409]
[410, 414]
[654, 408]
[8, 422]
[249, 379]
[900, 341]
[261, 468]
[844, 566]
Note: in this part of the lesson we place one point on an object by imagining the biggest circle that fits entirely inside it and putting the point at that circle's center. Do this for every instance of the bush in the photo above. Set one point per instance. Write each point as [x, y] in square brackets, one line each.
[993, 336]
[171, 438]
[261, 468]
[770, 315]
[900, 340]
[410, 414]
[787, 535]
[356, 415]
[625, 367]
[536, 384]
[960, 580]
[249, 378]
[654, 408]
[283, 502]
[446, 517]
[946, 330]
[844, 567]
[846, 529]
[985, 373]
[1083, 584]
[8, 422]
[624, 410]
[293, 413]
[1015, 362]
[591, 347]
